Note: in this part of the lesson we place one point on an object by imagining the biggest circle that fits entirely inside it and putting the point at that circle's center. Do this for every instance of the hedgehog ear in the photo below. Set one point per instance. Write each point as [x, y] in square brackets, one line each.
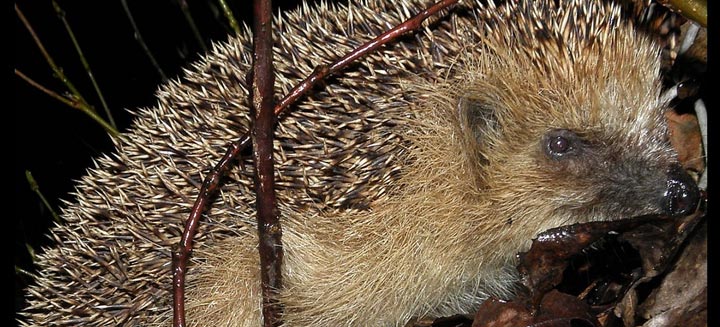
[478, 122]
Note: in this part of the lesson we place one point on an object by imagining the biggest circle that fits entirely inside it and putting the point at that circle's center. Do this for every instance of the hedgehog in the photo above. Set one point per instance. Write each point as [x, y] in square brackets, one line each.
[406, 185]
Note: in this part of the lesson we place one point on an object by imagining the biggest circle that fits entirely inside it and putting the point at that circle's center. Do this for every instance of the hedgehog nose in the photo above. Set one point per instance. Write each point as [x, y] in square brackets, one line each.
[682, 194]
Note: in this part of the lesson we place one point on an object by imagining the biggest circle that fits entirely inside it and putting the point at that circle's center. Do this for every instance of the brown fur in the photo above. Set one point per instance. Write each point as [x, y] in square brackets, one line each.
[406, 187]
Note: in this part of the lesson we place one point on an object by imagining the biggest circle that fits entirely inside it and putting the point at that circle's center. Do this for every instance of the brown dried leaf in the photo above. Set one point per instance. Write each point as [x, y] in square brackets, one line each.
[556, 309]
[543, 266]
[452, 321]
[658, 242]
[497, 313]
[681, 298]
[686, 139]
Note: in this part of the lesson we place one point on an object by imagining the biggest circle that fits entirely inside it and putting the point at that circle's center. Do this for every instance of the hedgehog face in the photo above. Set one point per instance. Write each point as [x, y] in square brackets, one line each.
[607, 176]
[585, 154]
[565, 125]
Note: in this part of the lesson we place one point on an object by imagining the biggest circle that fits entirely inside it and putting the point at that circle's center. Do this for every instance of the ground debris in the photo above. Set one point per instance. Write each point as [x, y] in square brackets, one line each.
[452, 321]
[645, 271]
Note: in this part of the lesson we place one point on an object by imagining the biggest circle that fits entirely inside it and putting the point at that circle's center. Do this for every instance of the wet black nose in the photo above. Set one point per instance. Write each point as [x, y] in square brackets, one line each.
[682, 194]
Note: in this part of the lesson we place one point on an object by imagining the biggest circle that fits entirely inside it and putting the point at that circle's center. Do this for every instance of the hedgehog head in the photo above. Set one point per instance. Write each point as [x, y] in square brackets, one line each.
[563, 121]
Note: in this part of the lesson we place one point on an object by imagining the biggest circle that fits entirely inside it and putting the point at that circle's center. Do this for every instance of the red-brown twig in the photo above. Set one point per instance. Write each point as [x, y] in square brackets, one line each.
[322, 72]
[212, 181]
[180, 254]
[268, 223]
[52, 94]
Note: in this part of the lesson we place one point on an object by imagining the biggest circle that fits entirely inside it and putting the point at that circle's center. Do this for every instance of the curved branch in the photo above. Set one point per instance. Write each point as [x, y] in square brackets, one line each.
[212, 181]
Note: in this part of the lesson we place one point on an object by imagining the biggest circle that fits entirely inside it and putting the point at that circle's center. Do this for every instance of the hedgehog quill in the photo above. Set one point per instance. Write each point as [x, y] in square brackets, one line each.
[406, 186]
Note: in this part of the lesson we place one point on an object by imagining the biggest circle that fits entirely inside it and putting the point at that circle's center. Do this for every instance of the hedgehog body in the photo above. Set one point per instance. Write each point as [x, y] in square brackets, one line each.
[406, 185]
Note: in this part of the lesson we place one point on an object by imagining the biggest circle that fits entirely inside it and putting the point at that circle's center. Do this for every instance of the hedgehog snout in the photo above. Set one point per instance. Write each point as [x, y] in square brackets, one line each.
[682, 195]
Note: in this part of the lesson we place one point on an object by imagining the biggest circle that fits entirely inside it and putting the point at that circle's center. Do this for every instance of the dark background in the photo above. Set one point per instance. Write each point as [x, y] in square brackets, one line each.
[57, 143]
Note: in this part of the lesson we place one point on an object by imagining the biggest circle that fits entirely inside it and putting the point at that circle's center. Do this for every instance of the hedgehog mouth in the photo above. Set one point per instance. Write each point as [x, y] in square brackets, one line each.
[592, 211]
[600, 210]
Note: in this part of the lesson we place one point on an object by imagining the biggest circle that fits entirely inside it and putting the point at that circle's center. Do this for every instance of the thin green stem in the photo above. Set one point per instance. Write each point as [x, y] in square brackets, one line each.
[692, 9]
[24, 272]
[35, 188]
[71, 103]
[140, 40]
[33, 258]
[56, 69]
[230, 17]
[61, 15]
[188, 17]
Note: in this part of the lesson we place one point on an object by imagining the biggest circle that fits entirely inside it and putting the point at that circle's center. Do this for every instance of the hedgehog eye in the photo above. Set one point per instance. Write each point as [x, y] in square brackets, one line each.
[559, 143]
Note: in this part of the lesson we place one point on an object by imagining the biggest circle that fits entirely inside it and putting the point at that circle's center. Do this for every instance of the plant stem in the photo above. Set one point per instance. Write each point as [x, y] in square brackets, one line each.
[140, 40]
[24, 272]
[35, 188]
[61, 15]
[692, 9]
[56, 69]
[268, 219]
[71, 103]
[188, 17]
[230, 17]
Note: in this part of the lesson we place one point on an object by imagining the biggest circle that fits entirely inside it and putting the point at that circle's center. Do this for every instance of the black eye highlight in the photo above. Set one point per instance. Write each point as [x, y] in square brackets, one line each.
[561, 143]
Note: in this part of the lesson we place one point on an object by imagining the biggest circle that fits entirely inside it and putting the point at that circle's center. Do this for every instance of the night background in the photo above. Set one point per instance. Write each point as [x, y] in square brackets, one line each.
[57, 143]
